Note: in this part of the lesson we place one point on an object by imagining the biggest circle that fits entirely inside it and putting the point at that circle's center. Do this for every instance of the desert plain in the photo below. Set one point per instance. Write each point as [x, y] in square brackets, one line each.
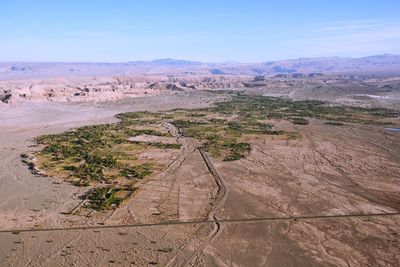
[201, 170]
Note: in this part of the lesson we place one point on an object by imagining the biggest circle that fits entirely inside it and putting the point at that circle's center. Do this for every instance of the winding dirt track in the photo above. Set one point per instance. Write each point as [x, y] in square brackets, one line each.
[218, 203]
[222, 194]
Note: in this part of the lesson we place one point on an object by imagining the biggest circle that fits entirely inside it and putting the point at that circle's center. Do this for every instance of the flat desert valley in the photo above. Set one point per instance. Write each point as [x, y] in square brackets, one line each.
[199, 167]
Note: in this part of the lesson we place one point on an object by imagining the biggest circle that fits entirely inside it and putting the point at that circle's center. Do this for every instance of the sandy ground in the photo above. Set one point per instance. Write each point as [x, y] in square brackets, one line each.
[282, 199]
[153, 139]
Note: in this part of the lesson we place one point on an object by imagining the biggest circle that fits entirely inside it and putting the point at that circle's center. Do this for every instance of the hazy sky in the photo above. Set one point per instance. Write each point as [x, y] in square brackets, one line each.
[205, 30]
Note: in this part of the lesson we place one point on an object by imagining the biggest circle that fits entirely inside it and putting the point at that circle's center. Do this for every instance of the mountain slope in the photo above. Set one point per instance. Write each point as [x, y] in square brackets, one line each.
[385, 63]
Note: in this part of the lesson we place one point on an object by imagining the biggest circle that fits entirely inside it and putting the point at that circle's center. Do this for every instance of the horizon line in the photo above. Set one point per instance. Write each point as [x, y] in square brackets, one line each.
[194, 61]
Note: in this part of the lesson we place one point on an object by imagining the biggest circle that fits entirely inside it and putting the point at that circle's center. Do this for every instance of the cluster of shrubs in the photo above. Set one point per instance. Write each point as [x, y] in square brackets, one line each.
[138, 171]
[300, 121]
[86, 152]
[103, 198]
[263, 107]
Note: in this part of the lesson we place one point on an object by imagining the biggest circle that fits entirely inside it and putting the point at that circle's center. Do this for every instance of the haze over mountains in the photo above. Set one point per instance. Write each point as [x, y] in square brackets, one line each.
[378, 64]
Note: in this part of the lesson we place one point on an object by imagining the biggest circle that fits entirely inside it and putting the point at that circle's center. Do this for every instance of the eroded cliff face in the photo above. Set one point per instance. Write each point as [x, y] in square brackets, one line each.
[363, 90]
[94, 89]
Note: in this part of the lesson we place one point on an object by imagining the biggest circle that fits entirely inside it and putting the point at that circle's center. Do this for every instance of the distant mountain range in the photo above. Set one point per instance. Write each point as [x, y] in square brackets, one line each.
[385, 62]
[380, 64]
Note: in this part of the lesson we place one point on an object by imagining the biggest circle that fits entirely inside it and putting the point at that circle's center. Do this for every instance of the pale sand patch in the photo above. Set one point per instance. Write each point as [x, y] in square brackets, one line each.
[153, 139]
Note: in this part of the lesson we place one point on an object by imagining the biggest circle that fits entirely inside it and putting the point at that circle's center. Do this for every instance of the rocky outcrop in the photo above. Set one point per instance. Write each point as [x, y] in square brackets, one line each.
[5, 96]
[112, 88]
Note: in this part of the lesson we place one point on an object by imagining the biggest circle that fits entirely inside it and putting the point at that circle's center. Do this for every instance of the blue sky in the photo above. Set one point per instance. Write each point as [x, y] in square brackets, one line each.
[204, 30]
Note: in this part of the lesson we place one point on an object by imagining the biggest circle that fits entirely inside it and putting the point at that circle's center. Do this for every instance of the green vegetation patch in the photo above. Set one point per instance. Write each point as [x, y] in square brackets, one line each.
[100, 153]
[104, 154]
[225, 123]
[299, 121]
[104, 198]
[261, 107]
[138, 171]
[221, 136]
